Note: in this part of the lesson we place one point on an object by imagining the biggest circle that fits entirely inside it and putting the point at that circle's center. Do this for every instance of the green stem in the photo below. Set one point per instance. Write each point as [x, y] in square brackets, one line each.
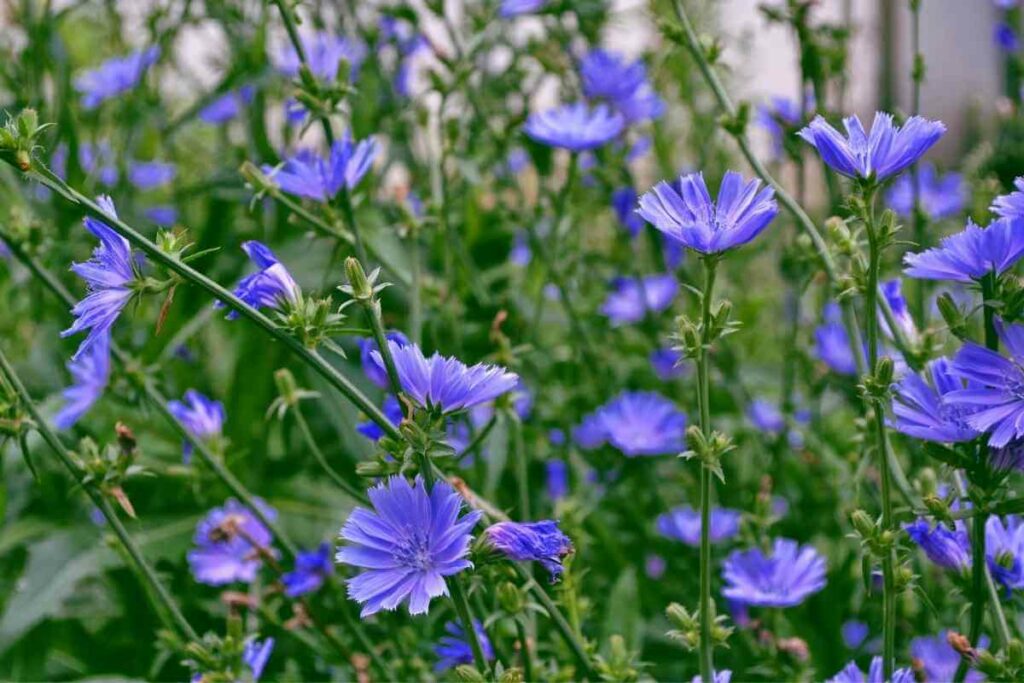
[167, 605]
[478, 438]
[522, 466]
[707, 666]
[338, 480]
[372, 309]
[566, 631]
[920, 224]
[524, 650]
[466, 617]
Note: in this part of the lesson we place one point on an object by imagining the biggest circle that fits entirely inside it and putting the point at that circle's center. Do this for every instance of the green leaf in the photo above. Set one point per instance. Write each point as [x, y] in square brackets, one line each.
[623, 616]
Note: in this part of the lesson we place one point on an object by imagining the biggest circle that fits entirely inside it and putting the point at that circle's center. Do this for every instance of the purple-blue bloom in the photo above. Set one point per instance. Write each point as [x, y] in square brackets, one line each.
[947, 548]
[781, 115]
[114, 76]
[766, 416]
[224, 541]
[1004, 549]
[270, 287]
[892, 290]
[110, 276]
[392, 410]
[98, 160]
[447, 383]
[832, 344]
[655, 566]
[255, 656]
[311, 570]
[407, 544]
[162, 215]
[851, 673]
[540, 541]
[624, 204]
[557, 479]
[972, 253]
[146, 175]
[636, 423]
[940, 196]
[576, 127]
[939, 661]
[724, 676]
[90, 375]
[666, 363]
[783, 579]
[515, 8]
[1010, 205]
[454, 649]
[374, 370]
[309, 175]
[854, 633]
[610, 77]
[683, 524]
[324, 53]
[685, 211]
[884, 152]
[1005, 37]
[920, 408]
[228, 106]
[632, 299]
[202, 417]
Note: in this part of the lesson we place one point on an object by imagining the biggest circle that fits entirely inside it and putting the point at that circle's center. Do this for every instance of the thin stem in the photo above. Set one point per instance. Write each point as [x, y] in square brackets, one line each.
[920, 224]
[293, 35]
[707, 666]
[415, 293]
[466, 617]
[338, 480]
[522, 466]
[524, 650]
[478, 438]
[372, 309]
[166, 605]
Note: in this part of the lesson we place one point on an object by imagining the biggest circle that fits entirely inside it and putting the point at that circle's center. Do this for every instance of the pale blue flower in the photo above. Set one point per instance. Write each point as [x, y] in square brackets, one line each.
[115, 76]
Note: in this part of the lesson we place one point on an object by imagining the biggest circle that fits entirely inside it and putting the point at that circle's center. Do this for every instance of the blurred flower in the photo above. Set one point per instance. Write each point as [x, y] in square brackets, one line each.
[832, 345]
[90, 375]
[654, 566]
[1004, 549]
[636, 423]
[886, 151]
[146, 175]
[576, 127]
[766, 417]
[851, 673]
[994, 397]
[454, 649]
[308, 175]
[372, 367]
[683, 524]
[854, 633]
[165, 216]
[1005, 37]
[610, 77]
[631, 298]
[939, 660]
[324, 53]
[666, 363]
[724, 676]
[392, 410]
[920, 410]
[1010, 205]
[892, 290]
[311, 570]
[515, 8]
[98, 160]
[202, 417]
[447, 383]
[228, 106]
[540, 541]
[947, 548]
[624, 204]
[407, 544]
[780, 116]
[940, 197]
[271, 287]
[225, 544]
[972, 253]
[255, 656]
[110, 275]
[114, 76]
[520, 255]
[783, 579]
[557, 479]
[517, 160]
[685, 212]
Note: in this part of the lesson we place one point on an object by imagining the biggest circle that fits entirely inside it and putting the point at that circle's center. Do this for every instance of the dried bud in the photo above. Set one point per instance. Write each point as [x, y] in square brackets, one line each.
[795, 647]
[960, 643]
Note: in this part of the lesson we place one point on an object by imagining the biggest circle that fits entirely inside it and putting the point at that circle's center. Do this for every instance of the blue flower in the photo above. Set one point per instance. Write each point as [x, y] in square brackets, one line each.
[520, 254]
[454, 649]
[972, 253]
[892, 290]
[780, 116]
[940, 196]
[1005, 37]
[851, 673]
[636, 423]
[854, 633]
[114, 76]
[631, 299]
[271, 287]
[766, 417]
[1004, 550]
[202, 417]
[724, 676]
[541, 542]
[324, 53]
[407, 544]
[655, 566]
[1007, 458]
[146, 175]
[515, 8]
[921, 411]
[1010, 205]
[255, 656]
[995, 396]
[557, 479]
[308, 175]
[372, 368]
[98, 160]
[311, 570]
[885, 152]
[110, 276]
[90, 375]
[610, 77]
[683, 524]
[228, 106]
[832, 344]
[447, 383]
[666, 363]
[162, 215]
[392, 410]
[226, 544]
[624, 205]
[575, 127]
[783, 579]
[685, 212]
[947, 548]
[939, 660]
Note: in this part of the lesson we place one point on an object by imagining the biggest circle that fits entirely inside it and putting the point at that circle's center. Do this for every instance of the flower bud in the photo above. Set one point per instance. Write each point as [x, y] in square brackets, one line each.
[863, 523]
[287, 388]
[360, 286]
[512, 675]
[510, 598]
[468, 674]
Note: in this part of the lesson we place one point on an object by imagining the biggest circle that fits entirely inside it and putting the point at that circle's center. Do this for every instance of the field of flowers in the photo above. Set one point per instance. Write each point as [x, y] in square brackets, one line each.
[412, 341]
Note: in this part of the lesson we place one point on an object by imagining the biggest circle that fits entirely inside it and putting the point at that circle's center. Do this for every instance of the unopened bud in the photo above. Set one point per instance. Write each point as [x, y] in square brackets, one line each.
[361, 287]
[863, 523]
[287, 388]
[468, 674]
[255, 177]
[510, 598]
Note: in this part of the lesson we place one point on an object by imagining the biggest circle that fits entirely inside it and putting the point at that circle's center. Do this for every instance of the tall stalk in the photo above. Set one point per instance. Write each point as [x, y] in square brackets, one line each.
[920, 224]
[707, 665]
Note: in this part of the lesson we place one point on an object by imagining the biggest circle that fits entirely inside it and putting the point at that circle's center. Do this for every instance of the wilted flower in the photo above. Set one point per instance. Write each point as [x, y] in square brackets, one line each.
[454, 649]
[851, 673]
[610, 77]
[392, 410]
[308, 175]
[226, 544]
[146, 175]
[324, 53]
[631, 299]
[202, 417]
[540, 541]
[1010, 205]
[228, 106]
[939, 660]
[683, 524]
[372, 367]
[576, 127]
[921, 411]
[514, 8]
[947, 548]
[271, 287]
[407, 544]
[636, 423]
[115, 76]
[1004, 548]
[971, 254]
[939, 196]
[110, 275]
[783, 579]
[686, 213]
[886, 151]
[444, 382]
[766, 417]
[255, 656]
[90, 375]
[311, 570]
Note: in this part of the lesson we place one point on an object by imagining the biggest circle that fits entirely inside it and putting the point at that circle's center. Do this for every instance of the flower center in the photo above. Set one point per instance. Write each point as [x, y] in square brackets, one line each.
[414, 550]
